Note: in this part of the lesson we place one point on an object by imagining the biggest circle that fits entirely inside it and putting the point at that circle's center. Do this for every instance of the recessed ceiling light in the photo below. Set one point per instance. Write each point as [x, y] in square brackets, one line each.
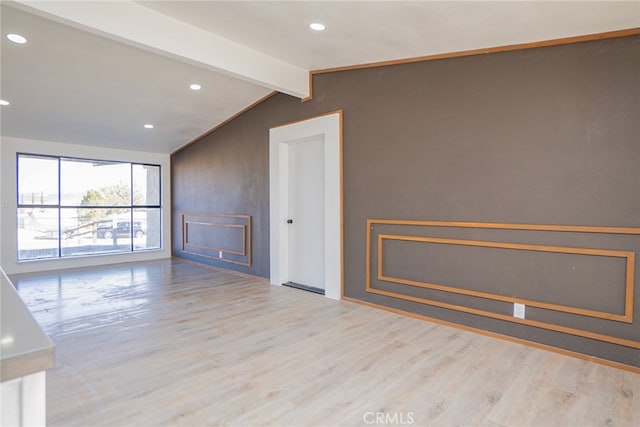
[148, 126]
[195, 86]
[16, 38]
[3, 102]
[316, 26]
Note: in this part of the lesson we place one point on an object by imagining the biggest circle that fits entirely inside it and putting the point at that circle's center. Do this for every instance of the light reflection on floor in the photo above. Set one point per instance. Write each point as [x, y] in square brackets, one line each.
[64, 302]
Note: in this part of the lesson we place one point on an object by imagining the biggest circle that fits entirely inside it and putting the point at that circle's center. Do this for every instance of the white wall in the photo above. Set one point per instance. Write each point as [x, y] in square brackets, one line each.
[9, 147]
[2, 205]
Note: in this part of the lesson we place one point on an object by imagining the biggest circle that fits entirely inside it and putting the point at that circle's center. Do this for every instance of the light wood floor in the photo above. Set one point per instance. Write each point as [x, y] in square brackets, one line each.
[176, 343]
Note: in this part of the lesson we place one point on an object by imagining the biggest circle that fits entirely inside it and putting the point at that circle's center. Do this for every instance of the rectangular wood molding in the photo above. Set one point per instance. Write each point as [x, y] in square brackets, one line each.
[628, 256]
[208, 227]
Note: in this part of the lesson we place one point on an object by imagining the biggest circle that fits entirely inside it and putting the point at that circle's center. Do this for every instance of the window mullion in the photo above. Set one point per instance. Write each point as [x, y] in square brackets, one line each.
[131, 223]
[59, 209]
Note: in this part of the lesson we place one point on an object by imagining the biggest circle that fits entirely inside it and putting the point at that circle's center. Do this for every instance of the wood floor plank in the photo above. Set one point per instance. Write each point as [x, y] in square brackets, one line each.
[174, 343]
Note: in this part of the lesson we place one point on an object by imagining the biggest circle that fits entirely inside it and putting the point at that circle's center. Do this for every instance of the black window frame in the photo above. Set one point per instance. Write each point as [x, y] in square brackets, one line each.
[131, 206]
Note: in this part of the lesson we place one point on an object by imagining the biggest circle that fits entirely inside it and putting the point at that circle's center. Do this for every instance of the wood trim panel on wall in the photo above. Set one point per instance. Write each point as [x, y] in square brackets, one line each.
[628, 255]
[213, 220]
[502, 226]
[185, 240]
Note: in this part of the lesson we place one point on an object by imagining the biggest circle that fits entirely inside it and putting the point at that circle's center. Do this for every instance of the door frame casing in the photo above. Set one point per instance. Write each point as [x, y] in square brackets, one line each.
[329, 127]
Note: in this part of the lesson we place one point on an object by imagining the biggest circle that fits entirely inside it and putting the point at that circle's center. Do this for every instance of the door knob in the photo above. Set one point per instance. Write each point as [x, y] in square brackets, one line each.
[289, 221]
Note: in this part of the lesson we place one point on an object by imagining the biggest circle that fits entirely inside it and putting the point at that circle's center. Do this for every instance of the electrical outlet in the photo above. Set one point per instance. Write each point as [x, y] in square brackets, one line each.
[518, 310]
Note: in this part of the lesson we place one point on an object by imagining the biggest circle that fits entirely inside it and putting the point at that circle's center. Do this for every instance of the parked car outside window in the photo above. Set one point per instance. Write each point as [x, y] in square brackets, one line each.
[120, 229]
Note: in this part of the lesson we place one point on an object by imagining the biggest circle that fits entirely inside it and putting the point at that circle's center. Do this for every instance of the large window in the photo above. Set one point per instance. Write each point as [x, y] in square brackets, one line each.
[74, 207]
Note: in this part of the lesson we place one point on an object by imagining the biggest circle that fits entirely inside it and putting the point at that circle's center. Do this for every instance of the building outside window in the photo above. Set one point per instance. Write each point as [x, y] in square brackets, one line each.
[69, 207]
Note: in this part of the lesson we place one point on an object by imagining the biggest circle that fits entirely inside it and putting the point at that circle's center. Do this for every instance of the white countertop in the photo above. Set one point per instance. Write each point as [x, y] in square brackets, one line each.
[24, 348]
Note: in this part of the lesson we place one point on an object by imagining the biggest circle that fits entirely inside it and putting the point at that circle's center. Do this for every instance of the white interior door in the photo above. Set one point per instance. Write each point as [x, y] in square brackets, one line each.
[326, 228]
[306, 212]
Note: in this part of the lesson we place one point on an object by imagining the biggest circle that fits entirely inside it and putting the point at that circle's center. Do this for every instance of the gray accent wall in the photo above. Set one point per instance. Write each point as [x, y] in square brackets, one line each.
[540, 136]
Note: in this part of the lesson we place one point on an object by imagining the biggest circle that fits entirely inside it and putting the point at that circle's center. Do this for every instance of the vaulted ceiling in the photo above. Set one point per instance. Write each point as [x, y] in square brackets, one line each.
[94, 73]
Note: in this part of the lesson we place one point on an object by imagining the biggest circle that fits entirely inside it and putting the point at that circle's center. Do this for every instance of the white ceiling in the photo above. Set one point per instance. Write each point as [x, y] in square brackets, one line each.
[94, 73]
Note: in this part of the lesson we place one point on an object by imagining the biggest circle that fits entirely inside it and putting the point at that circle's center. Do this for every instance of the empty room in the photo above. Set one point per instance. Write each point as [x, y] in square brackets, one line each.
[312, 213]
